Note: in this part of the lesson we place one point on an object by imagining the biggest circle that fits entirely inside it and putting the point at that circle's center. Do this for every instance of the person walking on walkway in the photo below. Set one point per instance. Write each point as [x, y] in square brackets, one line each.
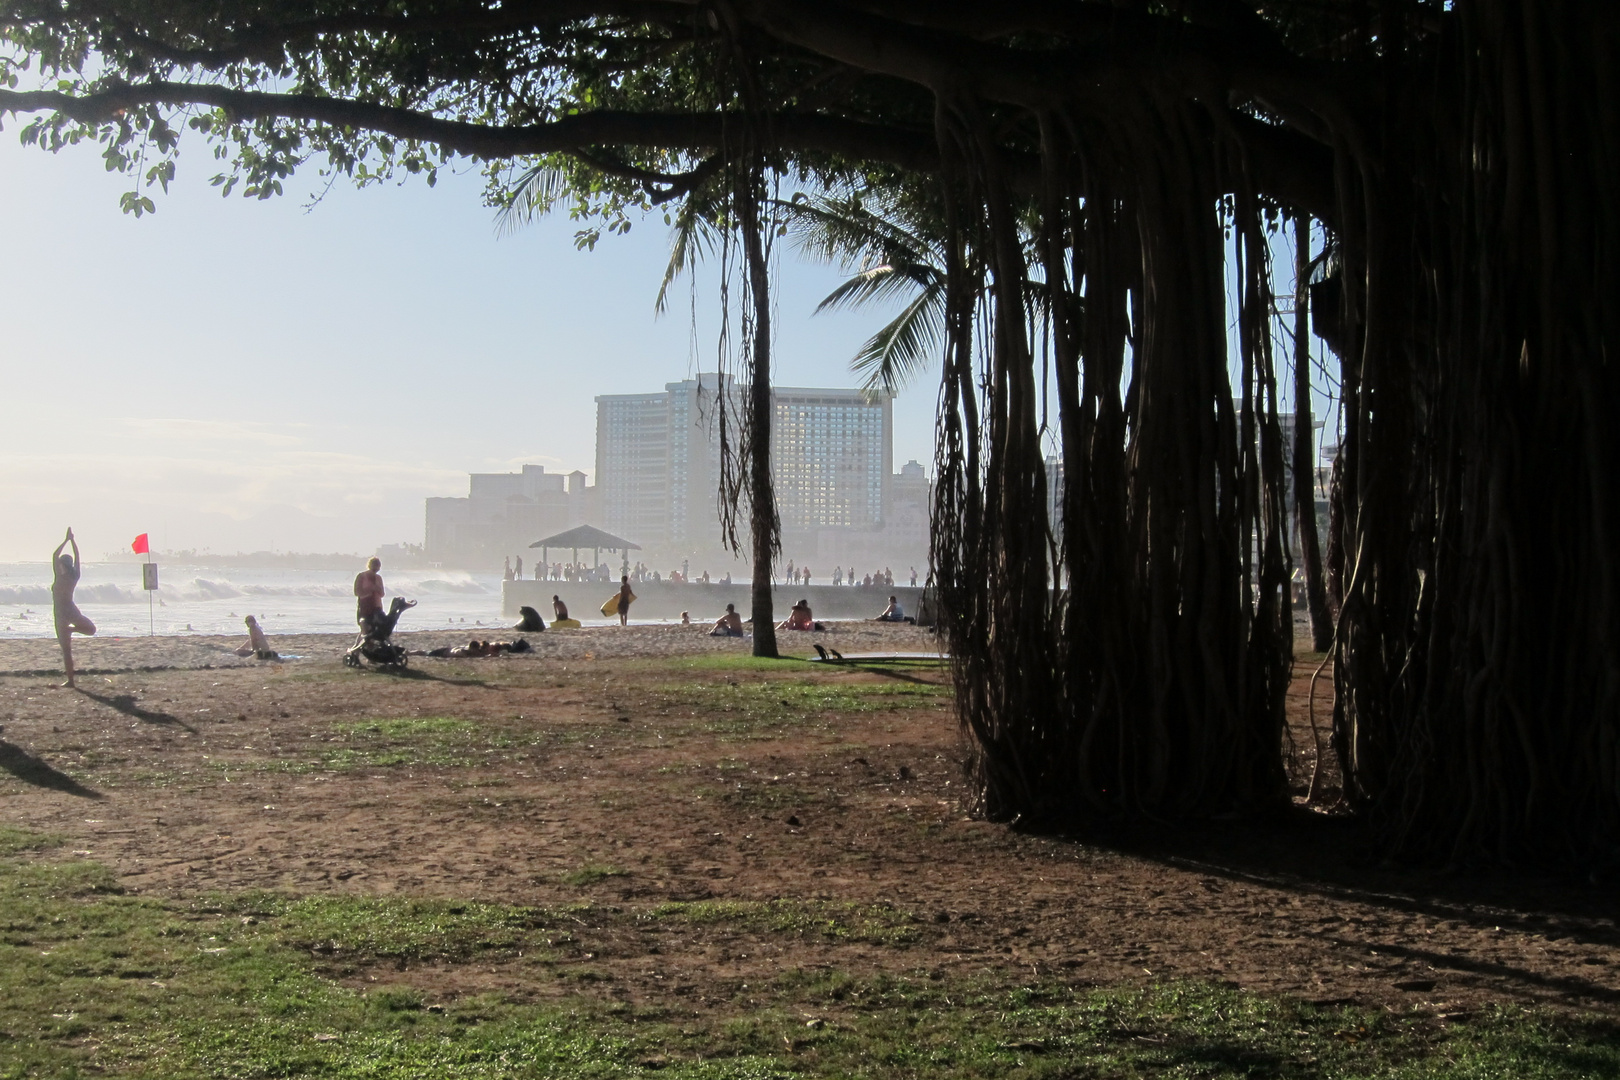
[69, 619]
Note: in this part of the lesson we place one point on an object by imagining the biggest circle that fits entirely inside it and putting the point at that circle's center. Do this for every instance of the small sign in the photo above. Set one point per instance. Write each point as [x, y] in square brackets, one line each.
[149, 576]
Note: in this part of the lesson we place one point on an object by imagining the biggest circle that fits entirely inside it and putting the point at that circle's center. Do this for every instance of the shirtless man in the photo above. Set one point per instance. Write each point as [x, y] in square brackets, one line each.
[728, 625]
[69, 619]
[256, 644]
[368, 589]
[799, 618]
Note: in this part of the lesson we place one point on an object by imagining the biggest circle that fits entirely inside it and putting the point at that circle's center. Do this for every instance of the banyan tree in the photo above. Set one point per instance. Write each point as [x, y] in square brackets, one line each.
[1106, 177]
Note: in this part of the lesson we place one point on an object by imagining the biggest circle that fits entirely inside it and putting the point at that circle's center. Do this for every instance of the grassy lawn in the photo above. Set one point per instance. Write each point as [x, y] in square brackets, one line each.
[95, 982]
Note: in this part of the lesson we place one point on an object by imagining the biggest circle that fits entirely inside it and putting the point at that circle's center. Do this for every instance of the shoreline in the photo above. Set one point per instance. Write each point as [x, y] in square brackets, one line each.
[106, 655]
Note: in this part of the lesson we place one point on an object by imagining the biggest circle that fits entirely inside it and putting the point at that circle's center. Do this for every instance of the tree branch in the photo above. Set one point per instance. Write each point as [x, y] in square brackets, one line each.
[268, 43]
[904, 149]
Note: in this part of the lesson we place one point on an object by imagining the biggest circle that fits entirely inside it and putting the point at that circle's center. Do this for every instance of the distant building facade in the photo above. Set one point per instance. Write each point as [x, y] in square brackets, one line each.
[658, 465]
[503, 513]
[658, 476]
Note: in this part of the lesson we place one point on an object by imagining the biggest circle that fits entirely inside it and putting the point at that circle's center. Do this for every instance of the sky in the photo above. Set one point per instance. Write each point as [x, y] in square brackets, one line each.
[240, 375]
[299, 375]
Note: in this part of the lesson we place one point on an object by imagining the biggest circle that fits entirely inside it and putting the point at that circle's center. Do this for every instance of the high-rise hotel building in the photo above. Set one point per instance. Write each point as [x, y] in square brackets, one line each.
[658, 460]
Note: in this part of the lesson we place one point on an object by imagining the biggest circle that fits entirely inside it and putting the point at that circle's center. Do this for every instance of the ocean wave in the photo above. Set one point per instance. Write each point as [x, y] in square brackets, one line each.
[40, 595]
[25, 594]
[461, 586]
[204, 589]
[298, 590]
[200, 589]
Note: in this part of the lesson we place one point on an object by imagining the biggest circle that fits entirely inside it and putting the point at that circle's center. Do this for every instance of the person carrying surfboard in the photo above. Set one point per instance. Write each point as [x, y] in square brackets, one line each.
[625, 596]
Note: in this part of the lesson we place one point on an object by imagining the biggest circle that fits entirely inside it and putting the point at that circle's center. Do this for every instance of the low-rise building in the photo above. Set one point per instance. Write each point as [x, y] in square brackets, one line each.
[503, 513]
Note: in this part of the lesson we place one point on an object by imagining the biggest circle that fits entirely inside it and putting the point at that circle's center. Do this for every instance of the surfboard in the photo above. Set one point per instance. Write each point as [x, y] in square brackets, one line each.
[612, 605]
[565, 624]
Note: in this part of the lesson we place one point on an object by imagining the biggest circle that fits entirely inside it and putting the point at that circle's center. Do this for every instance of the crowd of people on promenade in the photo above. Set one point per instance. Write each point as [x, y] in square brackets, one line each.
[557, 571]
[641, 573]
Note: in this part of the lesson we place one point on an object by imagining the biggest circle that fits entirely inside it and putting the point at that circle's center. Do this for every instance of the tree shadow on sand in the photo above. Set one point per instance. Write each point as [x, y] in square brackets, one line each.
[32, 770]
[1324, 860]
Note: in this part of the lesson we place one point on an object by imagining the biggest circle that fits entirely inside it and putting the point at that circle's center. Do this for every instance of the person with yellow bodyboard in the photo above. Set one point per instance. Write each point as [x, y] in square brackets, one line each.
[619, 603]
[560, 610]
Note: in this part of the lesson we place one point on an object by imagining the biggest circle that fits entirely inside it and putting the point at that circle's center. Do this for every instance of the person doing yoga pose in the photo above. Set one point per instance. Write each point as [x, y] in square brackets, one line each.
[69, 619]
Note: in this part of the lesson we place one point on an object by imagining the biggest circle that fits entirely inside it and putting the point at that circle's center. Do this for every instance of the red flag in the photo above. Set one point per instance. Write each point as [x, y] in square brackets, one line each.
[140, 546]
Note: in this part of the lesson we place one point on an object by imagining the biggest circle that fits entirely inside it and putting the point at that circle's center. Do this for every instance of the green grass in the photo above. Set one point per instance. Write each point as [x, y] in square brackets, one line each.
[439, 741]
[878, 924]
[591, 873]
[96, 981]
[13, 841]
[398, 928]
[760, 708]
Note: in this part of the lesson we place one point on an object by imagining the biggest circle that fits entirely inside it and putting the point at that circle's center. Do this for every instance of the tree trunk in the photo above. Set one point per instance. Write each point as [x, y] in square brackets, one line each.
[761, 493]
[1310, 546]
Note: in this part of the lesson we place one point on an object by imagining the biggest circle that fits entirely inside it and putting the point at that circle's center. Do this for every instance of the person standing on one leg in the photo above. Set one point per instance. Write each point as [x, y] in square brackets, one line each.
[69, 619]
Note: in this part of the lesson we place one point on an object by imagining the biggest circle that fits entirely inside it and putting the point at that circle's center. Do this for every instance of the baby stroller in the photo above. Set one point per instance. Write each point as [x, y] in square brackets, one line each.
[375, 643]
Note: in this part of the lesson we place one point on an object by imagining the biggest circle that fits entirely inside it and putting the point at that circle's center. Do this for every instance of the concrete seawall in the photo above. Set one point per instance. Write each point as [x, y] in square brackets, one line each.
[667, 599]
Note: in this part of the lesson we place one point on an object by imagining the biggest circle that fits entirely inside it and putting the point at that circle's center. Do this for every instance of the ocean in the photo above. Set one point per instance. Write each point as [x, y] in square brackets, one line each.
[206, 600]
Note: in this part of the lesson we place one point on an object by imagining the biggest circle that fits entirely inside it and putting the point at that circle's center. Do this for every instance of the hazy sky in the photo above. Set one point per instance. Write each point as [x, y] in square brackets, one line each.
[238, 375]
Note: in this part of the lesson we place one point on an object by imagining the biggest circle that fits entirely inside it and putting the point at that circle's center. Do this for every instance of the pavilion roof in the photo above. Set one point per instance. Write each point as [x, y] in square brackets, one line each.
[587, 536]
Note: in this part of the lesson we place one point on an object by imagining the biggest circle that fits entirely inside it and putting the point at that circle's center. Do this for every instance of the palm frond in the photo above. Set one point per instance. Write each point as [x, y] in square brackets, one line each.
[880, 283]
[693, 235]
[844, 230]
[904, 347]
[537, 190]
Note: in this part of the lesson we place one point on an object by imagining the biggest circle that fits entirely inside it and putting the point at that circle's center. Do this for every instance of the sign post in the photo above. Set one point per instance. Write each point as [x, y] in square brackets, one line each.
[149, 579]
[149, 582]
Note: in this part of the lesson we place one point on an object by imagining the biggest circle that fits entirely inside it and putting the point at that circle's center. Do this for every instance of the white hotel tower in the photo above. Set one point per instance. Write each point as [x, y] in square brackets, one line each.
[658, 464]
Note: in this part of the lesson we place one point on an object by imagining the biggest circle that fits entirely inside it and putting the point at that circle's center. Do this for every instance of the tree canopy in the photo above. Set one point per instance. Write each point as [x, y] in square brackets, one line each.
[647, 92]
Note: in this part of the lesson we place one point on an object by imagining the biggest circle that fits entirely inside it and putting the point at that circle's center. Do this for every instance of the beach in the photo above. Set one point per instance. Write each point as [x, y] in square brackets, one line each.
[223, 867]
[108, 654]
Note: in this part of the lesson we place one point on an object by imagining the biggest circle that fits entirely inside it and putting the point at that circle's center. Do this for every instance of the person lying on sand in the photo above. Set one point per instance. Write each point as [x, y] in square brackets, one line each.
[476, 648]
[729, 624]
[69, 619]
[531, 622]
[799, 618]
[257, 644]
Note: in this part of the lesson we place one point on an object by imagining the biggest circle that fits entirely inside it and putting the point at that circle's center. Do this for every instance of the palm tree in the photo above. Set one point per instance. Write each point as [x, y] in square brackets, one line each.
[895, 254]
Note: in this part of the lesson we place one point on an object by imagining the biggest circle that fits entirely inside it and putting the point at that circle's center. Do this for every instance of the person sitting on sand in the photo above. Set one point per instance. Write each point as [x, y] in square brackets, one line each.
[257, 644]
[559, 610]
[893, 613]
[531, 622]
[729, 624]
[799, 618]
[686, 618]
[69, 619]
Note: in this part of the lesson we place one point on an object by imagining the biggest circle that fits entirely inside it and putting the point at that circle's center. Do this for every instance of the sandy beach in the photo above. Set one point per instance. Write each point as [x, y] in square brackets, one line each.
[107, 655]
